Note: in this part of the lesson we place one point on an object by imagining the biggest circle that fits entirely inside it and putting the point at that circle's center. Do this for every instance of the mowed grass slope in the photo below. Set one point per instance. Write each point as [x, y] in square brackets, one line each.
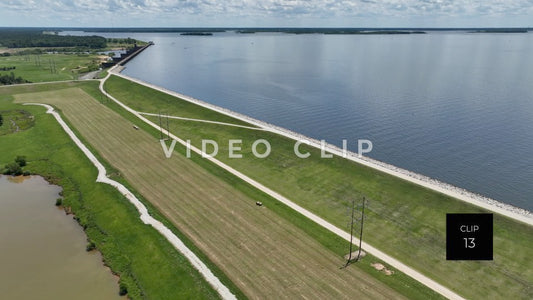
[404, 220]
[148, 265]
[262, 253]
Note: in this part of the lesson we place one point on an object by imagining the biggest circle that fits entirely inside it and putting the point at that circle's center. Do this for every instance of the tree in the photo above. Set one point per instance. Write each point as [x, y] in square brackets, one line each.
[21, 160]
[1, 120]
[122, 289]
[13, 169]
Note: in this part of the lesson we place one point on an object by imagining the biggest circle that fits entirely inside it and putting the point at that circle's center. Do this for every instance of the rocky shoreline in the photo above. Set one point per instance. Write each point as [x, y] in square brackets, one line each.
[511, 211]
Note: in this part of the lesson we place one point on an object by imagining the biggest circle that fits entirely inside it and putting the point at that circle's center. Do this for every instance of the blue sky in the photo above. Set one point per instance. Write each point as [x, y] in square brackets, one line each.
[267, 13]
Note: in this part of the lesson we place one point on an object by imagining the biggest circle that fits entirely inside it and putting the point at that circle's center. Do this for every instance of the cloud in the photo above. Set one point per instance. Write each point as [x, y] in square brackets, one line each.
[233, 11]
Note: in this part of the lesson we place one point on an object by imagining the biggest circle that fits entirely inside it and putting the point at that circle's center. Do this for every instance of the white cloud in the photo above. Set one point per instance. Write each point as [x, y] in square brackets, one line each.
[243, 12]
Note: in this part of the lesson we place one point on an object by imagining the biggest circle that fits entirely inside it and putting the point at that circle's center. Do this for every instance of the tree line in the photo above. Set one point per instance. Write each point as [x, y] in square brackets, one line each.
[122, 41]
[11, 79]
[12, 38]
[15, 168]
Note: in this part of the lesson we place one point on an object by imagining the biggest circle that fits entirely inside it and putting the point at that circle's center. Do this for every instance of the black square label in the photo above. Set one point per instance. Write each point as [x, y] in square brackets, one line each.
[469, 236]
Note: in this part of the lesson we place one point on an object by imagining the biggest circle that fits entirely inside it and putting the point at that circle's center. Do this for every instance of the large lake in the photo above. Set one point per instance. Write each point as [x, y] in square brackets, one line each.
[42, 251]
[454, 106]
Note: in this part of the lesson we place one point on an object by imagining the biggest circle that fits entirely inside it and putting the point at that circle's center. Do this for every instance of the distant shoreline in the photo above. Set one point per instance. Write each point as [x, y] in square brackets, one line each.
[296, 29]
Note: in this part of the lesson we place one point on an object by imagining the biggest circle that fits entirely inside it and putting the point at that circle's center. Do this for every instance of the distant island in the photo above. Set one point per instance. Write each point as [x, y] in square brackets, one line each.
[501, 30]
[331, 31]
[245, 31]
[197, 33]
[375, 32]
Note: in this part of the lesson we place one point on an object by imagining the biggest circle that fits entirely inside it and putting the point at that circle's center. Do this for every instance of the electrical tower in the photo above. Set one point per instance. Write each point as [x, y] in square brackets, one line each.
[351, 259]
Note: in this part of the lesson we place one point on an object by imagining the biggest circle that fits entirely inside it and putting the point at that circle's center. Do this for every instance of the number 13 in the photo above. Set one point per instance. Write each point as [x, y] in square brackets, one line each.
[469, 242]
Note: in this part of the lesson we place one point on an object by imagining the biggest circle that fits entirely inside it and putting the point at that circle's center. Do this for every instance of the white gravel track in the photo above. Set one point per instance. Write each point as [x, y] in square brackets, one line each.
[222, 290]
[430, 283]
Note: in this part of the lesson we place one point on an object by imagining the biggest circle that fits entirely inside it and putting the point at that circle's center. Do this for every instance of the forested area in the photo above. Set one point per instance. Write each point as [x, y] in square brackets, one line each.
[19, 38]
[11, 79]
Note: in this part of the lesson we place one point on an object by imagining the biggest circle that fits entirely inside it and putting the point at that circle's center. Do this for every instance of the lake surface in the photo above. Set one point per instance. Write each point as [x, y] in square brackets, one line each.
[454, 106]
[42, 251]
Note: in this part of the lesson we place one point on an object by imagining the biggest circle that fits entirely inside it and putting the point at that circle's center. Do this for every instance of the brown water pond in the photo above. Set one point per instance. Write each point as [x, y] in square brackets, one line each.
[42, 250]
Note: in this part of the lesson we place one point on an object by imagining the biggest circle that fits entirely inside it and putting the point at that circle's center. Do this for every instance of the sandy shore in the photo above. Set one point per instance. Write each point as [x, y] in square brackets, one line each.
[492, 205]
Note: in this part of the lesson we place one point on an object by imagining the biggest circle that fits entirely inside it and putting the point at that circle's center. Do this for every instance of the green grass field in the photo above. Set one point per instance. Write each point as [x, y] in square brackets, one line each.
[262, 253]
[404, 220]
[400, 282]
[15, 120]
[147, 263]
[38, 68]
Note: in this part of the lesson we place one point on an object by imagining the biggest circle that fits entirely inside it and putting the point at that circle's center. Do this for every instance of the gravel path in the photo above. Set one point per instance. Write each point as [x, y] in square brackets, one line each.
[203, 121]
[430, 283]
[222, 290]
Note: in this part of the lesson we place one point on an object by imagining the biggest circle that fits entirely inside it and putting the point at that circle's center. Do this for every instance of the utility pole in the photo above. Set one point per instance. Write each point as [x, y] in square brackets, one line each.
[361, 233]
[351, 235]
[168, 129]
[349, 260]
[160, 128]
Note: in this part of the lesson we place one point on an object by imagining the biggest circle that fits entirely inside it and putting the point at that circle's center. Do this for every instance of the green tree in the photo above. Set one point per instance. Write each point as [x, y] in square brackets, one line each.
[123, 289]
[13, 169]
[21, 160]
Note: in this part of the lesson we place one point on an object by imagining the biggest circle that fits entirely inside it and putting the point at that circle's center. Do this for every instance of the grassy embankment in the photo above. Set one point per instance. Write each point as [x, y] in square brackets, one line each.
[148, 265]
[404, 220]
[49, 67]
[400, 282]
[265, 255]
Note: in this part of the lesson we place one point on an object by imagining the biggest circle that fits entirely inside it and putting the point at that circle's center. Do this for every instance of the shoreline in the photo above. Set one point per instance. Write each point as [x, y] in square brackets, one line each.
[508, 210]
[19, 179]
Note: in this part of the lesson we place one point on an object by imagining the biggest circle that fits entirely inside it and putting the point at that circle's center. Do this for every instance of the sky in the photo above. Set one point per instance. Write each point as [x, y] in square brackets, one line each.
[266, 13]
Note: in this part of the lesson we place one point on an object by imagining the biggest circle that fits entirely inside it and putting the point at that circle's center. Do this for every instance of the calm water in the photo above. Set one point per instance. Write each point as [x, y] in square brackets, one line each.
[42, 251]
[454, 106]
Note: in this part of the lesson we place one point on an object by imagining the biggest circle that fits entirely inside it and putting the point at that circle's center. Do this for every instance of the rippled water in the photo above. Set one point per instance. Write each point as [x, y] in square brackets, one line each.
[450, 105]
